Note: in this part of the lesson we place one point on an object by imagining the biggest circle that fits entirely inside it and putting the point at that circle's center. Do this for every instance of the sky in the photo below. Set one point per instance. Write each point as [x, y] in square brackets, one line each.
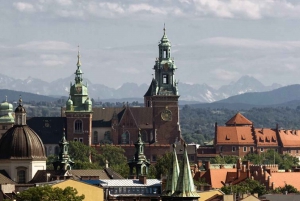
[213, 41]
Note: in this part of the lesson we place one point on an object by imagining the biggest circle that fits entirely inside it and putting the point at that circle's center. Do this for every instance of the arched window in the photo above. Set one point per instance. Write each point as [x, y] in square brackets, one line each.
[21, 176]
[125, 137]
[78, 126]
[95, 137]
[145, 136]
[165, 79]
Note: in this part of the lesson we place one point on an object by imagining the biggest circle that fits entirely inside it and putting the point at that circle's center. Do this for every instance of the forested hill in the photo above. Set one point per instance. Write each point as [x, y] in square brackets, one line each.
[197, 124]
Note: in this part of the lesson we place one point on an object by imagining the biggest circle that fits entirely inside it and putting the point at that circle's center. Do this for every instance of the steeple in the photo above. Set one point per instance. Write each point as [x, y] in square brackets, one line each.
[63, 161]
[185, 184]
[164, 82]
[139, 161]
[78, 72]
[172, 175]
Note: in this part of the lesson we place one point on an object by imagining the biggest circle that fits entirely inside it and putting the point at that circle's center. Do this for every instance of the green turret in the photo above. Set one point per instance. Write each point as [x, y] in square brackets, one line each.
[139, 161]
[79, 99]
[164, 82]
[6, 113]
[63, 161]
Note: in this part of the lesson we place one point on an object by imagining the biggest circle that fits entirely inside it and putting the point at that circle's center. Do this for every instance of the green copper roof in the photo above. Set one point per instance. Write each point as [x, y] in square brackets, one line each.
[164, 40]
[185, 184]
[172, 176]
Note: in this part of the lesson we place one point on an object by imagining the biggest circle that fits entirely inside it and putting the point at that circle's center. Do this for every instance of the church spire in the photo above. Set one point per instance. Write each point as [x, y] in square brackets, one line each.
[78, 72]
[185, 184]
[172, 175]
[78, 56]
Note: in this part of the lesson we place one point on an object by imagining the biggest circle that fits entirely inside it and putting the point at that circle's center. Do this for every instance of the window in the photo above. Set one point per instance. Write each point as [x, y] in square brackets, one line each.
[145, 136]
[56, 150]
[95, 137]
[261, 149]
[80, 140]
[153, 157]
[78, 126]
[125, 138]
[21, 176]
[165, 79]
[289, 151]
[233, 149]
[221, 148]
[165, 54]
[244, 149]
[251, 149]
[192, 158]
[75, 139]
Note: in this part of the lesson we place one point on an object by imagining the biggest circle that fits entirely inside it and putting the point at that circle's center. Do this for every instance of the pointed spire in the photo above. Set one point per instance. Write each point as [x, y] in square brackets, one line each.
[78, 56]
[20, 100]
[5, 98]
[173, 175]
[164, 28]
[185, 184]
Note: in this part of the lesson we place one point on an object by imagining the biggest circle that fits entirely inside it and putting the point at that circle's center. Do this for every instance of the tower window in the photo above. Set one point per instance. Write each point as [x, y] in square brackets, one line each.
[21, 176]
[165, 54]
[78, 126]
[165, 79]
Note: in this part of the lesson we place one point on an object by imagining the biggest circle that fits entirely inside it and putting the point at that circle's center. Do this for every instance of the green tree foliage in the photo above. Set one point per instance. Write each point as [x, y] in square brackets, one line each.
[286, 189]
[247, 186]
[224, 160]
[161, 167]
[47, 193]
[86, 157]
[115, 157]
[284, 161]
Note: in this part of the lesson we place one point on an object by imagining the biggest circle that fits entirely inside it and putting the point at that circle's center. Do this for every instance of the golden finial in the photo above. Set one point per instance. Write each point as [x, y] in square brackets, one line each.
[20, 100]
[78, 56]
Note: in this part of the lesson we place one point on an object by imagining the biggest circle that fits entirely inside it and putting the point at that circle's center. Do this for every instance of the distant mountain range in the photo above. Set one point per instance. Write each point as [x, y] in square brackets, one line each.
[191, 93]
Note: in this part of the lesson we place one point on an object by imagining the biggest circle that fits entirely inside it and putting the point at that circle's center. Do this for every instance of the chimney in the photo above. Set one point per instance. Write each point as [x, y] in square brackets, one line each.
[143, 179]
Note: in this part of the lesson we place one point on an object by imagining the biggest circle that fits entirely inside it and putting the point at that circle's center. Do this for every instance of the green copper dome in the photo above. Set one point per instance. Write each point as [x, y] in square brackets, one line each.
[6, 106]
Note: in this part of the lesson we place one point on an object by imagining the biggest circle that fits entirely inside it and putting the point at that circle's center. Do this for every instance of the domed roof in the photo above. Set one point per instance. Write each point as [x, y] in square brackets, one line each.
[21, 142]
[69, 101]
[6, 106]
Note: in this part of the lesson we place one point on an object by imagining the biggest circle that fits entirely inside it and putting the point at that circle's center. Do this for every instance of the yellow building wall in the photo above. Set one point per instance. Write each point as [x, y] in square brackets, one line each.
[89, 191]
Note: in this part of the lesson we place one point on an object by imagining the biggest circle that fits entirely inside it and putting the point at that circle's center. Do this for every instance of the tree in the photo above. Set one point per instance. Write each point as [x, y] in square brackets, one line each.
[246, 186]
[286, 189]
[48, 193]
[115, 157]
[161, 167]
[224, 160]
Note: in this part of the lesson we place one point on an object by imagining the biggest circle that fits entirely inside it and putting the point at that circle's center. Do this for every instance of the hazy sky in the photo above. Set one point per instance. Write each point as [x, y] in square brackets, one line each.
[213, 41]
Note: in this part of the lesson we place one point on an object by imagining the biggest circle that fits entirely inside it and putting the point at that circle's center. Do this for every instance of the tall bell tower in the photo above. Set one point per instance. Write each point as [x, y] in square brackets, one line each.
[162, 96]
[79, 110]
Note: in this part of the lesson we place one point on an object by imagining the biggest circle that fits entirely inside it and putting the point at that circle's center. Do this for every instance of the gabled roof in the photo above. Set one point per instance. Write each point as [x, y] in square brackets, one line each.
[106, 114]
[216, 177]
[150, 89]
[280, 179]
[238, 120]
[4, 178]
[207, 195]
[142, 116]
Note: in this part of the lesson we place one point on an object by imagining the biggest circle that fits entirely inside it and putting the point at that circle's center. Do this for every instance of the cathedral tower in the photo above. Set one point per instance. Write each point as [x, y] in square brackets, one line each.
[162, 96]
[79, 110]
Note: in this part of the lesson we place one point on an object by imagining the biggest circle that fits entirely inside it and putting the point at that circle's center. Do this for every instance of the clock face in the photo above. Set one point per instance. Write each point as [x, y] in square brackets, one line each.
[47, 124]
[166, 115]
[78, 89]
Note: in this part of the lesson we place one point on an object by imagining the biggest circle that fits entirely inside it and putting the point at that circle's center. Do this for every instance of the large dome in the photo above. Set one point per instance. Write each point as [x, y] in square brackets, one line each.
[21, 142]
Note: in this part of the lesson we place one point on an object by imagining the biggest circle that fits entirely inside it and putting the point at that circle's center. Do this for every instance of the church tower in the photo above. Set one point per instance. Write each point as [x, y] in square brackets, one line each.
[79, 110]
[162, 96]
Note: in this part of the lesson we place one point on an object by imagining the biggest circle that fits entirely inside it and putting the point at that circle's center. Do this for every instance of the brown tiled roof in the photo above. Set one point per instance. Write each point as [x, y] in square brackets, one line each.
[4, 178]
[290, 138]
[266, 137]
[238, 119]
[235, 135]
[106, 113]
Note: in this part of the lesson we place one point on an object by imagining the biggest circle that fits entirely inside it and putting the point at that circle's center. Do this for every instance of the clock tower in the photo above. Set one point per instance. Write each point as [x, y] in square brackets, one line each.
[162, 96]
[79, 110]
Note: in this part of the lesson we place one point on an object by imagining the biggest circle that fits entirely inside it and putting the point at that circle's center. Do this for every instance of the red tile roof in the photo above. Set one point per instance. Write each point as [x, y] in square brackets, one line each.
[282, 178]
[266, 137]
[235, 135]
[215, 177]
[290, 138]
[238, 119]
